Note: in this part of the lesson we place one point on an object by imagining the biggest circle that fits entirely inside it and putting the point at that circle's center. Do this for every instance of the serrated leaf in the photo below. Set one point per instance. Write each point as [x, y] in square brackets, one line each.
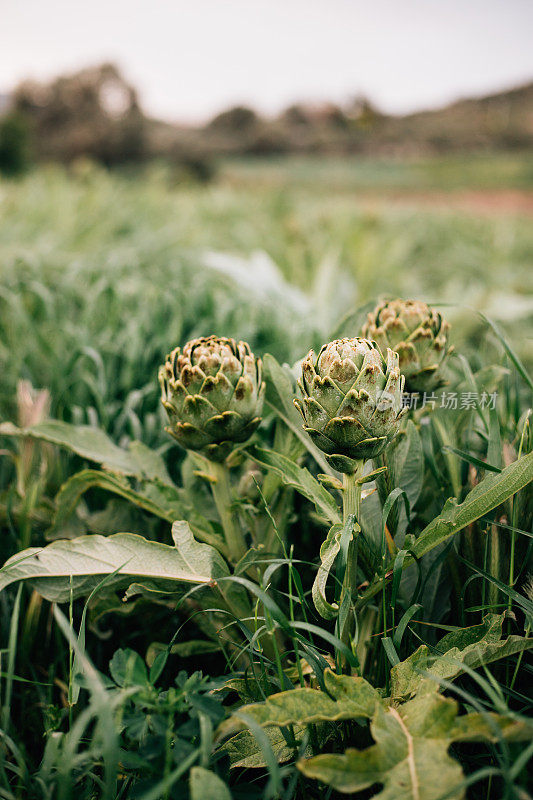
[409, 758]
[489, 493]
[468, 647]
[79, 564]
[205, 785]
[300, 479]
[410, 755]
[346, 697]
[492, 491]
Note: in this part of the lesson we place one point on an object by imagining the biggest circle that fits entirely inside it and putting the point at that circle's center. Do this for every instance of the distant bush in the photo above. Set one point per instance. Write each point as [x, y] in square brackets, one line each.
[14, 144]
[92, 113]
[235, 120]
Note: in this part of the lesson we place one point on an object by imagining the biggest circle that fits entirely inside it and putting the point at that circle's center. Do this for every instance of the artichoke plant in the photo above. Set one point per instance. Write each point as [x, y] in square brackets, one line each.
[352, 400]
[213, 392]
[419, 335]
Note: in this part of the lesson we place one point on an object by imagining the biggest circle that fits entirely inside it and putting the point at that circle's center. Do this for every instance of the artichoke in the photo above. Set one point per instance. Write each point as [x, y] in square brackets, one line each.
[352, 400]
[418, 334]
[213, 393]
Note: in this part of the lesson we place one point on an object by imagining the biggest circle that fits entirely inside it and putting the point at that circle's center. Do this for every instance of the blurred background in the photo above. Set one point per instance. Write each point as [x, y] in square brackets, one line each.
[257, 169]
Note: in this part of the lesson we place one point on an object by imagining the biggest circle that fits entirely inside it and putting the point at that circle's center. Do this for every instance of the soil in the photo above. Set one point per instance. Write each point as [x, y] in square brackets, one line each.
[488, 202]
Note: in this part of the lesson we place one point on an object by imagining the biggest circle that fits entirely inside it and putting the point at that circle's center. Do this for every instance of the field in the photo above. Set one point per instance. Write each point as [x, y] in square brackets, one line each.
[103, 274]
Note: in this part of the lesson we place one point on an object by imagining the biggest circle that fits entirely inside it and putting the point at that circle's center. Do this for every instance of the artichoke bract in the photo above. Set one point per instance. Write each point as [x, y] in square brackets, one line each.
[352, 400]
[213, 392]
[418, 333]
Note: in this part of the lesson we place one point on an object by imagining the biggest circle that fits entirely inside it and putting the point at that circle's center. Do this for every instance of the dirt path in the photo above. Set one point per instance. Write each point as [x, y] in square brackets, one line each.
[489, 202]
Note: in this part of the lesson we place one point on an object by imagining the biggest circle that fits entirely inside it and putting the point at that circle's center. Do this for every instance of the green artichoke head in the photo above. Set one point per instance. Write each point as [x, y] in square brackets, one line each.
[419, 335]
[351, 400]
[213, 392]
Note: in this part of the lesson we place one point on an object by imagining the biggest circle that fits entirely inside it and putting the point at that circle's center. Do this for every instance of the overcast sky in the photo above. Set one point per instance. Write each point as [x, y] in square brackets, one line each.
[189, 59]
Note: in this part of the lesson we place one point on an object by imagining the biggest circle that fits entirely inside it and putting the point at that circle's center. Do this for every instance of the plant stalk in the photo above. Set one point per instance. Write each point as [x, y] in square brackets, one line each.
[221, 489]
[351, 506]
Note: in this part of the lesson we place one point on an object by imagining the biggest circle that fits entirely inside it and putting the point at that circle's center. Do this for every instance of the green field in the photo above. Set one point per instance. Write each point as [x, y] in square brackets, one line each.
[115, 265]
[426, 607]
[477, 171]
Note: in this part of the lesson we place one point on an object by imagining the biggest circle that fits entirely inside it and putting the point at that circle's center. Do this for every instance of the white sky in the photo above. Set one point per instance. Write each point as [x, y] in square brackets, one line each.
[192, 58]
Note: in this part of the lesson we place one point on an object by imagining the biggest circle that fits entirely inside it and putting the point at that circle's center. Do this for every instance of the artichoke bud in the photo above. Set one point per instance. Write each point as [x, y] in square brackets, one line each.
[351, 400]
[419, 335]
[213, 392]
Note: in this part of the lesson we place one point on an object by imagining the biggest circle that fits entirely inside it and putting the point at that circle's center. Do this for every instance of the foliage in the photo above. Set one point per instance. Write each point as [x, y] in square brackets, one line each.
[357, 633]
[14, 145]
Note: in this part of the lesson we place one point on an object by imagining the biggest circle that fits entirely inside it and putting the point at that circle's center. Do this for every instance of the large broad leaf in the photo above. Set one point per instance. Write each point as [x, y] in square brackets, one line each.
[406, 462]
[75, 487]
[465, 648]
[346, 697]
[281, 391]
[404, 459]
[161, 499]
[94, 445]
[78, 565]
[410, 755]
[300, 479]
[491, 492]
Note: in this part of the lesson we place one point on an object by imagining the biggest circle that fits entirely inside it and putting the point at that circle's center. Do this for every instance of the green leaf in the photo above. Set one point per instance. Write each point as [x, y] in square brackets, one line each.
[489, 493]
[476, 462]
[406, 459]
[94, 445]
[192, 647]
[75, 487]
[328, 553]
[205, 785]
[467, 647]
[509, 350]
[338, 537]
[300, 479]
[446, 437]
[244, 751]
[352, 322]
[80, 563]
[162, 500]
[346, 697]
[409, 758]
[281, 391]
[150, 463]
[410, 755]
[128, 669]
[492, 491]
[487, 726]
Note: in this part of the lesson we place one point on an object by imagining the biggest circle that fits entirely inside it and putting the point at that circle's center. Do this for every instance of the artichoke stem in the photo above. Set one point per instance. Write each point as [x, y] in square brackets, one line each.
[351, 506]
[351, 493]
[223, 501]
